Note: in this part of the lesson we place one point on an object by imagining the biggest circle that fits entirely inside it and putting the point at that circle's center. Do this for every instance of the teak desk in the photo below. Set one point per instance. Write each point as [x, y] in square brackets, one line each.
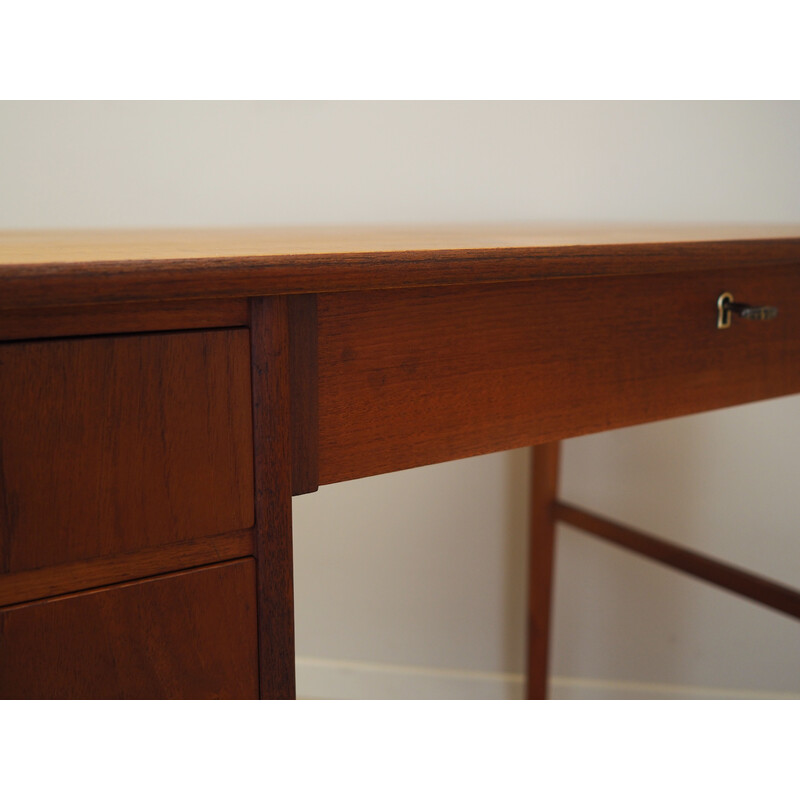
[163, 394]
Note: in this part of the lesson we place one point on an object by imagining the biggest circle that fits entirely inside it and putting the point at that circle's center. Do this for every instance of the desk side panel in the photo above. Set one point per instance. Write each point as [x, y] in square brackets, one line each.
[418, 376]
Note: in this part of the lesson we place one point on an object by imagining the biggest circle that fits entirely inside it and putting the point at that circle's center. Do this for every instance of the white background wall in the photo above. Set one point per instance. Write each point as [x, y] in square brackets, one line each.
[413, 583]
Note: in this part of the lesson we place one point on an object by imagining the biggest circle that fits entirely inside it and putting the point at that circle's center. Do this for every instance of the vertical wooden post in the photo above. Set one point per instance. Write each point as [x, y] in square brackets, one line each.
[544, 489]
[269, 343]
[304, 392]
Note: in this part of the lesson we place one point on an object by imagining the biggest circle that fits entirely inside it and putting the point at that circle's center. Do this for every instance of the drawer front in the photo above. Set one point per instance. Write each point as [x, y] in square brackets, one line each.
[414, 377]
[186, 635]
[113, 444]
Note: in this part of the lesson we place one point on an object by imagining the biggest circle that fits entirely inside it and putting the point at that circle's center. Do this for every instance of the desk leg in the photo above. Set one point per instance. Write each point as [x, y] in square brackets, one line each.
[544, 489]
[269, 344]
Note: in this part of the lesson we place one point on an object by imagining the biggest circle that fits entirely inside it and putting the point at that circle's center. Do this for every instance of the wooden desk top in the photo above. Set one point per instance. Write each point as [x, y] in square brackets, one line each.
[57, 268]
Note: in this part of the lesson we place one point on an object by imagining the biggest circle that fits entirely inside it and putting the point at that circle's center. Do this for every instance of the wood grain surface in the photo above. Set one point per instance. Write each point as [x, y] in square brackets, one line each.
[36, 584]
[541, 564]
[114, 444]
[85, 246]
[420, 376]
[33, 323]
[271, 366]
[62, 268]
[124, 456]
[304, 392]
[185, 635]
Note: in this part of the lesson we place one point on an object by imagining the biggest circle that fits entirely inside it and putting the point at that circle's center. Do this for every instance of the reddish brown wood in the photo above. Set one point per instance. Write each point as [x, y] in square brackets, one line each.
[35, 584]
[420, 376]
[441, 347]
[185, 635]
[544, 490]
[115, 444]
[163, 266]
[269, 330]
[746, 584]
[304, 391]
[121, 318]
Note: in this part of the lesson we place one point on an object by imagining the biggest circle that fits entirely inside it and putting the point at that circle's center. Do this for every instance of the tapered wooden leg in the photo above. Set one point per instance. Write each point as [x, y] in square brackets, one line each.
[544, 488]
